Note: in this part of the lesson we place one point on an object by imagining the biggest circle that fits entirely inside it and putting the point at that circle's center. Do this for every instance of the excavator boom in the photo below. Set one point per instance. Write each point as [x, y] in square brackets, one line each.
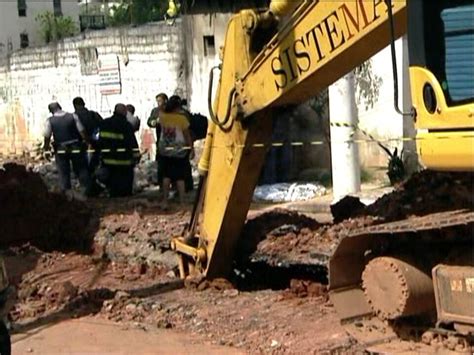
[323, 41]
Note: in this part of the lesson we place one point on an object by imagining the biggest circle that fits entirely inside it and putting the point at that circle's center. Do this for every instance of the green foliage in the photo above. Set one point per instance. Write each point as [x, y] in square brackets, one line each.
[54, 28]
[367, 85]
[119, 15]
[137, 12]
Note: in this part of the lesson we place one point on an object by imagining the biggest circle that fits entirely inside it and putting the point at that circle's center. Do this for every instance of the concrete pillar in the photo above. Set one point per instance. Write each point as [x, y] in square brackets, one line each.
[410, 155]
[344, 152]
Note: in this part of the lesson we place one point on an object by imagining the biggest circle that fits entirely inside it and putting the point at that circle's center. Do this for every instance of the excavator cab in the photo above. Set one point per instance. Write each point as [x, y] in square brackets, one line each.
[412, 278]
[441, 55]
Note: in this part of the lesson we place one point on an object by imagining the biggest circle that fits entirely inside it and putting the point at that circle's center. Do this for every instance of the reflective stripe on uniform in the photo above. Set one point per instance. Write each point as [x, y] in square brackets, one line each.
[111, 135]
[118, 162]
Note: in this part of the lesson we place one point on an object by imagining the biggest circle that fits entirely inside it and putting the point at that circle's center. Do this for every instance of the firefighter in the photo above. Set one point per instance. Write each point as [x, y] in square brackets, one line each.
[119, 153]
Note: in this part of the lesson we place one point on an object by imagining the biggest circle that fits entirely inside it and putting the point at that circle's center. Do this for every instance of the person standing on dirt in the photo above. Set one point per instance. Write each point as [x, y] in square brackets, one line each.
[154, 122]
[119, 153]
[69, 146]
[175, 147]
[90, 121]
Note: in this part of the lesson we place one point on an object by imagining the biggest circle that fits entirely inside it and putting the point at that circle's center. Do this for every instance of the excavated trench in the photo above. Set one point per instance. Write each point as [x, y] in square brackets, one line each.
[281, 246]
[255, 271]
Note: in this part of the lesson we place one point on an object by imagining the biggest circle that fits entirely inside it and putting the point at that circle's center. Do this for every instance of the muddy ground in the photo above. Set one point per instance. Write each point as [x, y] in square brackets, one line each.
[111, 259]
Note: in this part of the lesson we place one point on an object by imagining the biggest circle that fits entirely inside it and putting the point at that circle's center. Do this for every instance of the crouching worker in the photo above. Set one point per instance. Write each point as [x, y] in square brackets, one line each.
[119, 153]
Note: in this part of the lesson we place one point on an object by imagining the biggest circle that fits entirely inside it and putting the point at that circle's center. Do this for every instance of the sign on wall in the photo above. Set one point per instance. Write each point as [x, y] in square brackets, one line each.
[109, 74]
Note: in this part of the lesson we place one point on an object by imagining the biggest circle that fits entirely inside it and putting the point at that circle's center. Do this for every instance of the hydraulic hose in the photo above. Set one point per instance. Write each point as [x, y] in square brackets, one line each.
[214, 118]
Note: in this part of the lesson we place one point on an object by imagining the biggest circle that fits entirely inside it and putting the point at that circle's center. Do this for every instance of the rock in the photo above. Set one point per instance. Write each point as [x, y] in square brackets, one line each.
[348, 207]
[274, 344]
[164, 324]
[167, 258]
[131, 308]
[171, 274]
[221, 284]
[121, 295]
[316, 290]
[204, 285]
[107, 306]
[68, 291]
[231, 293]
[285, 229]
[193, 282]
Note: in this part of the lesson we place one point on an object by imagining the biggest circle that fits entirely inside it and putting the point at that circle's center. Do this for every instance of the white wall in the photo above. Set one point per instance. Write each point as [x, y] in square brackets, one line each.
[381, 120]
[152, 60]
[199, 65]
[11, 25]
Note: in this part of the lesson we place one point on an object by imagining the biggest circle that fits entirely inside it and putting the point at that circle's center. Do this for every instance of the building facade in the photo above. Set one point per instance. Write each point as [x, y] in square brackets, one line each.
[18, 25]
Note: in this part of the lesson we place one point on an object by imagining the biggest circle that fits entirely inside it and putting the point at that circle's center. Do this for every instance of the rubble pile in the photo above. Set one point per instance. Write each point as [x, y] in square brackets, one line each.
[307, 246]
[424, 193]
[278, 221]
[56, 282]
[145, 174]
[141, 238]
[49, 174]
[123, 307]
[309, 243]
[31, 214]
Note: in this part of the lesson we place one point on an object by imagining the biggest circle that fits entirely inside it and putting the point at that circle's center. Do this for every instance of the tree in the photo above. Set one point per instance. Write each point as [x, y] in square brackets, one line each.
[137, 12]
[54, 28]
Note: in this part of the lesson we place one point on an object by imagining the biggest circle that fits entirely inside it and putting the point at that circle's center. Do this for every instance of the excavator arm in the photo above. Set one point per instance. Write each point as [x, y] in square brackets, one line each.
[320, 42]
[292, 51]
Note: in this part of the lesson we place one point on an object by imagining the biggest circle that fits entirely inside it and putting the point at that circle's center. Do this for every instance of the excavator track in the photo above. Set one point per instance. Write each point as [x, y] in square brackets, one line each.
[380, 281]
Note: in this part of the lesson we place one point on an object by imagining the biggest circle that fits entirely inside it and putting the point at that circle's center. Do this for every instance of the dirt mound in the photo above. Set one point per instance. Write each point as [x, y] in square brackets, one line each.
[426, 192]
[288, 240]
[310, 246]
[276, 222]
[31, 214]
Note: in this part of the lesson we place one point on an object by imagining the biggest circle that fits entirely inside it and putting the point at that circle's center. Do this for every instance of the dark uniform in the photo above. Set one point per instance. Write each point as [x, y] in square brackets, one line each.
[68, 147]
[91, 121]
[119, 153]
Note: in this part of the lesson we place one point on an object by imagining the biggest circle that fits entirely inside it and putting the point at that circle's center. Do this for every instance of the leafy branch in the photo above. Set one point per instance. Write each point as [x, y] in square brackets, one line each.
[54, 28]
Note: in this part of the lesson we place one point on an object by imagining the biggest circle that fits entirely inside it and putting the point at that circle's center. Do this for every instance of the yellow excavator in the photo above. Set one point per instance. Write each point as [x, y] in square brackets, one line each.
[287, 54]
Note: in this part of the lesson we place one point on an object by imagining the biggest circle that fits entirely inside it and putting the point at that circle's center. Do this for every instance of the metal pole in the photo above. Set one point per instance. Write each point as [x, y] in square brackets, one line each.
[344, 152]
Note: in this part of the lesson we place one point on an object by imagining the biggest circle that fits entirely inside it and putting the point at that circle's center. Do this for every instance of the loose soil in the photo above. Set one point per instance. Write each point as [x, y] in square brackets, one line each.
[110, 259]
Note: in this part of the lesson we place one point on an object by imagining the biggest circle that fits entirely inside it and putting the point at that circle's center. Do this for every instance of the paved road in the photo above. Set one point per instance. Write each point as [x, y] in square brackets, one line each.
[91, 336]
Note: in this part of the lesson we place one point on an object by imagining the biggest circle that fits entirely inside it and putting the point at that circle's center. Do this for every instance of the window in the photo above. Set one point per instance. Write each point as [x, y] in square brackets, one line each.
[21, 4]
[209, 46]
[24, 40]
[57, 8]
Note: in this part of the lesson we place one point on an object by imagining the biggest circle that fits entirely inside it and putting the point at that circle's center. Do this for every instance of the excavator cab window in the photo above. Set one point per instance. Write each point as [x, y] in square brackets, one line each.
[445, 30]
